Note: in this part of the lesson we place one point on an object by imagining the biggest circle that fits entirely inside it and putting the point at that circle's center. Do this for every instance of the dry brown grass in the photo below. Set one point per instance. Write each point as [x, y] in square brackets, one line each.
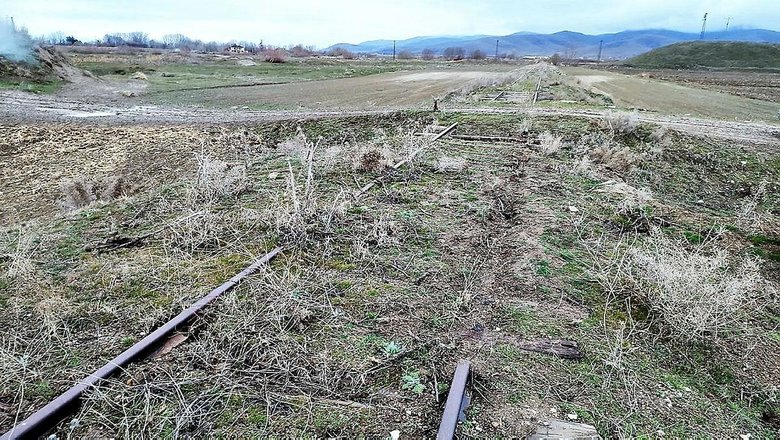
[449, 164]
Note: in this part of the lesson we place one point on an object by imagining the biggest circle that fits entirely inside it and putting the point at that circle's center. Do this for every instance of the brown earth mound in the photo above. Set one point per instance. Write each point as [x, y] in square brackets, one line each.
[51, 65]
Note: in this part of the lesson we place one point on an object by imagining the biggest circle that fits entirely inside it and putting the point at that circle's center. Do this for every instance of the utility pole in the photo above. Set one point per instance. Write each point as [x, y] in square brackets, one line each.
[728, 21]
[703, 26]
[496, 49]
[393, 50]
[601, 46]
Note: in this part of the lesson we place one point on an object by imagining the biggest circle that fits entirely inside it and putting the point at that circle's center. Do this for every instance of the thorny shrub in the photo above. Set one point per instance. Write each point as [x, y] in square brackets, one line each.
[621, 122]
[79, 193]
[699, 293]
[550, 144]
[216, 178]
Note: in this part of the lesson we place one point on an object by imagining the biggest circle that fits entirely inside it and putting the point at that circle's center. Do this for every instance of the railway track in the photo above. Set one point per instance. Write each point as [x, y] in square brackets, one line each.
[47, 418]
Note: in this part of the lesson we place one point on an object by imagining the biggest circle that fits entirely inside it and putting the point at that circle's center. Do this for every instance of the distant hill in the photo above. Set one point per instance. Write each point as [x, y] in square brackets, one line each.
[710, 54]
[621, 45]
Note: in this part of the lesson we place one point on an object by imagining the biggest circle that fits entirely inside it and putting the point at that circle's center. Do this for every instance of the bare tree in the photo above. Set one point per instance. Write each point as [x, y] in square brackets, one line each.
[428, 54]
[175, 40]
[113, 40]
[56, 37]
[454, 53]
[405, 55]
[477, 54]
[138, 39]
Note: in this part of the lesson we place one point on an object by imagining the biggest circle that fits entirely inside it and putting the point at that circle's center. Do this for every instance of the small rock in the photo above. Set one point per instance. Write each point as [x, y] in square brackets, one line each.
[571, 416]
[745, 436]
[573, 209]
[272, 176]
[128, 94]
[395, 435]
[139, 75]
[495, 424]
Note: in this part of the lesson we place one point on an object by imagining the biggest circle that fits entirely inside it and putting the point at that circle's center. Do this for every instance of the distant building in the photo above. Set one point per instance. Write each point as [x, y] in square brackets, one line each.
[236, 48]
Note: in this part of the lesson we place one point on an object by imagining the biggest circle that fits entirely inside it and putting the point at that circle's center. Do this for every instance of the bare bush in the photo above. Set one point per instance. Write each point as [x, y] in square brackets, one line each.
[216, 178]
[613, 157]
[477, 54]
[454, 53]
[448, 164]
[660, 135]
[583, 166]
[275, 56]
[550, 144]
[18, 249]
[296, 146]
[299, 214]
[196, 230]
[622, 122]
[700, 292]
[81, 192]
[77, 193]
[632, 199]
[405, 55]
[299, 51]
[748, 215]
[343, 53]
[370, 159]
[428, 54]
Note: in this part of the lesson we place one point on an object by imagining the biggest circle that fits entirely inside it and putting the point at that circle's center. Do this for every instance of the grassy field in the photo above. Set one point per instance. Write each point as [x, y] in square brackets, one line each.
[710, 54]
[31, 86]
[657, 252]
[173, 73]
[355, 331]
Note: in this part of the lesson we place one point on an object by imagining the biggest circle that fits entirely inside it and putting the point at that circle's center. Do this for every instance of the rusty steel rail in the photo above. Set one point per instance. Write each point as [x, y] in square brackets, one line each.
[47, 417]
[457, 401]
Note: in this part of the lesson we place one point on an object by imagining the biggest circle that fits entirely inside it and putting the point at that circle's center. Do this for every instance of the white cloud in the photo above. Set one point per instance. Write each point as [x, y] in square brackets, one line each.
[326, 22]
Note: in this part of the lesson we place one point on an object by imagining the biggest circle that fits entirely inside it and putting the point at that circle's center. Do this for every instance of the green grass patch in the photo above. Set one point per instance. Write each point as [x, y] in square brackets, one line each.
[43, 87]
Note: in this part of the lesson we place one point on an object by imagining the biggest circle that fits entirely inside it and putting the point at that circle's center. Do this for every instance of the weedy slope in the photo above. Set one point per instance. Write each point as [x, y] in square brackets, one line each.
[469, 251]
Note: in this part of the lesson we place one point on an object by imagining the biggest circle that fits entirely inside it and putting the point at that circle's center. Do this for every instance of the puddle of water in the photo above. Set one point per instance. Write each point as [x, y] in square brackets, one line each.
[78, 113]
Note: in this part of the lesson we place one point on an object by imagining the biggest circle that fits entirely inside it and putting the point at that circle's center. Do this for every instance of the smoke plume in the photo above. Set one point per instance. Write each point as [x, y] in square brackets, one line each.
[15, 44]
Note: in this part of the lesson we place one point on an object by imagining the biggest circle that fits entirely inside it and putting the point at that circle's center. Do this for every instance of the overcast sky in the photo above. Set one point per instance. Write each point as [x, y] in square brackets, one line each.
[322, 23]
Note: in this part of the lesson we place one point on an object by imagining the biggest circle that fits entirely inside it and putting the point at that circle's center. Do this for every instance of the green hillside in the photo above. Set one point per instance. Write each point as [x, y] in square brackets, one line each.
[724, 54]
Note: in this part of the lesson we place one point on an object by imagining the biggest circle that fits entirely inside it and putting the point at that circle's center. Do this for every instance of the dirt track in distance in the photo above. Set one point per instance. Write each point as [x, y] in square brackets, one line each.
[673, 99]
[381, 91]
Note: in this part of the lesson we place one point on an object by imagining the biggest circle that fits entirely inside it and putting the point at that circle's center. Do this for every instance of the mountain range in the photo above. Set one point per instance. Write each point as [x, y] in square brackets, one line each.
[573, 44]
